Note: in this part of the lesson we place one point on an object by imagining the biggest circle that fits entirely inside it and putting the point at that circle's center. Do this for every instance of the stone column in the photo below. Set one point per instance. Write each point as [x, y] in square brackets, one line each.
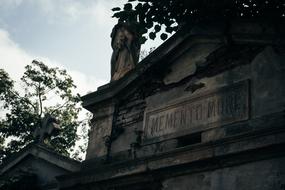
[101, 128]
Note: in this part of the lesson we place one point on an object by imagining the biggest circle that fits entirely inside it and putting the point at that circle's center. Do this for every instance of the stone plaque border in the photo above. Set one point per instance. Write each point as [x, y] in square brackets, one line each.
[242, 85]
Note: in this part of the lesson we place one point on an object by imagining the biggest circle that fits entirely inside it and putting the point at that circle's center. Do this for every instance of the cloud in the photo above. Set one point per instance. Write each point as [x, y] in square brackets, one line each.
[70, 11]
[100, 11]
[13, 59]
[10, 3]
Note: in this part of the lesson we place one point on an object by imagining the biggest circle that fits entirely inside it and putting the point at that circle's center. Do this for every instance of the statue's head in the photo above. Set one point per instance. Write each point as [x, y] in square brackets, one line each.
[124, 31]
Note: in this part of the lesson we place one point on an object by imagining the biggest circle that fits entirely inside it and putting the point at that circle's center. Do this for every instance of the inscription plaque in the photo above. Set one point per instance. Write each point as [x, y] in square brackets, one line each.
[217, 107]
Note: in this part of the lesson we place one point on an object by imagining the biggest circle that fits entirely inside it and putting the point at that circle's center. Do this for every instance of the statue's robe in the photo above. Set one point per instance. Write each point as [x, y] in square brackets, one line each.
[125, 51]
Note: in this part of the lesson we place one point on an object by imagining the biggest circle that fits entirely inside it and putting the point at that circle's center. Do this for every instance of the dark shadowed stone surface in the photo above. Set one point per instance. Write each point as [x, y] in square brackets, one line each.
[245, 177]
[43, 163]
[268, 79]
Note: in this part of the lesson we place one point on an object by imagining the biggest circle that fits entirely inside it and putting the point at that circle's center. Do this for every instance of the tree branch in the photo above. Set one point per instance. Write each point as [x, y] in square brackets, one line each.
[40, 100]
[15, 94]
[61, 106]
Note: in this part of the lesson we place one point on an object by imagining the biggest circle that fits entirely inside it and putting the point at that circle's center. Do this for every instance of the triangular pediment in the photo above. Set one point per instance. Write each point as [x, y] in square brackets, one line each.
[39, 152]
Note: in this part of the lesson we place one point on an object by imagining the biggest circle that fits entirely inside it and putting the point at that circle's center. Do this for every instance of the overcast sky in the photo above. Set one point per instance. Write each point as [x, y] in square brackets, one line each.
[73, 34]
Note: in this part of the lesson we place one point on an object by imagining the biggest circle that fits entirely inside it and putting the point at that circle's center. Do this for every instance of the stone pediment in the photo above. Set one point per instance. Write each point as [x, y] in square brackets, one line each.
[35, 166]
[40, 152]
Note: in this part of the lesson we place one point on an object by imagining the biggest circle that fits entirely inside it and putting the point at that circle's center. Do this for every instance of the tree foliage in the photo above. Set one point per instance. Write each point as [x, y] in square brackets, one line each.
[152, 14]
[43, 90]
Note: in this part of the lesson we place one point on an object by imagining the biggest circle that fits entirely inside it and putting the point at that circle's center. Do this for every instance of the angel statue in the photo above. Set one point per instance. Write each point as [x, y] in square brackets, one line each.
[126, 49]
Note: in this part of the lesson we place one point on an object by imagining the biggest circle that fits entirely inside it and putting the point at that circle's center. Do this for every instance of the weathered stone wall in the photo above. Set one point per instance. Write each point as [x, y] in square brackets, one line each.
[101, 129]
[261, 175]
[250, 87]
[202, 103]
[208, 114]
[130, 119]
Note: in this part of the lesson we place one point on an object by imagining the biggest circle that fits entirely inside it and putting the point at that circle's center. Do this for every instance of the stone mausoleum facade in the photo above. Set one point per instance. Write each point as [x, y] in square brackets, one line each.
[204, 111]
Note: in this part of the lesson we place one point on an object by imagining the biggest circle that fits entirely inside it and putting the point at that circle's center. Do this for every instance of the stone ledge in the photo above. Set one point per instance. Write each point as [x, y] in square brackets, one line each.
[233, 147]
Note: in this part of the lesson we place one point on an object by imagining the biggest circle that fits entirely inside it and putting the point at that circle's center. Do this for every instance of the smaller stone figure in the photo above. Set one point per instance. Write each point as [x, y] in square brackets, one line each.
[49, 127]
[126, 49]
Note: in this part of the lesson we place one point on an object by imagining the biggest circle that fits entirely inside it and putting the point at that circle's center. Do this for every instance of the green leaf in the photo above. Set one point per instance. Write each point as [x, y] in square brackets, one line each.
[149, 25]
[169, 29]
[142, 40]
[116, 9]
[163, 36]
[143, 31]
[152, 35]
[138, 7]
[128, 7]
[157, 28]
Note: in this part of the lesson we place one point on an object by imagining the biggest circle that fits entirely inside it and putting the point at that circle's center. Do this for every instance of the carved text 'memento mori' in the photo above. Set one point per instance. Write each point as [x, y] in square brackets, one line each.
[218, 107]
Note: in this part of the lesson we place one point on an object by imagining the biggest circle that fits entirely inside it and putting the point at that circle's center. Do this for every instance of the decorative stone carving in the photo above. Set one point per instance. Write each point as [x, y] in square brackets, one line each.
[49, 127]
[126, 49]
